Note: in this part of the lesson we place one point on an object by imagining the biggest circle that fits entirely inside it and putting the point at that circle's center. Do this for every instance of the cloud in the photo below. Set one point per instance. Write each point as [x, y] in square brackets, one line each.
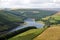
[42, 1]
[29, 3]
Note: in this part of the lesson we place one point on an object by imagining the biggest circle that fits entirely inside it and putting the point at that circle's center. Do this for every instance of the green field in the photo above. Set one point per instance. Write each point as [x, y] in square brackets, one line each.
[28, 35]
[52, 33]
[11, 19]
[31, 34]
[8, 20]
[35, 13]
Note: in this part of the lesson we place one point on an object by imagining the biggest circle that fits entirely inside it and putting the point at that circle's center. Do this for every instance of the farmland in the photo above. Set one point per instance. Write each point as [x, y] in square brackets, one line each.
[13, 18]
[28, 35]
[52, 33]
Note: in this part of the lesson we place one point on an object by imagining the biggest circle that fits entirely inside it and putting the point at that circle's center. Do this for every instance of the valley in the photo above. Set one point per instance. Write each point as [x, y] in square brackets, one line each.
[26, 24]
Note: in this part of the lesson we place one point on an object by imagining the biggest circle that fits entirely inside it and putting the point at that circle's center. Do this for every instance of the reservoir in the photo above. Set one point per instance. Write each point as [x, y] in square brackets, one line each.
[29, 22]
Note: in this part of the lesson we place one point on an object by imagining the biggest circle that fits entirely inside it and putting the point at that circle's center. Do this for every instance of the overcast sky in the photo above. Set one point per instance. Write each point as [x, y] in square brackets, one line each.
[29, 3]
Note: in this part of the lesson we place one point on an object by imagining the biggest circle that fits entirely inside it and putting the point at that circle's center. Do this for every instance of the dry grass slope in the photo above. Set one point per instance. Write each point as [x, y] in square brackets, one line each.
[52, 33]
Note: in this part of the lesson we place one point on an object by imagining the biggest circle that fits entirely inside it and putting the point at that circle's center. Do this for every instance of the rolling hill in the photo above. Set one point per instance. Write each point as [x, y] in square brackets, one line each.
[13, 18]
[10, 19]
[52, 33]
[35, 13]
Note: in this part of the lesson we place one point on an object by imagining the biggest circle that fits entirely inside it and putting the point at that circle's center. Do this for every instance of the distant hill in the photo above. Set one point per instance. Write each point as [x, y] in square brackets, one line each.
[51, 9]
[8, 20]
[35, 13]
[13, 18]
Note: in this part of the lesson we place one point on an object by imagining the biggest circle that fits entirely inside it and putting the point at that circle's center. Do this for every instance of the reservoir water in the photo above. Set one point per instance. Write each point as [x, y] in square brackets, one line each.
[29, 22]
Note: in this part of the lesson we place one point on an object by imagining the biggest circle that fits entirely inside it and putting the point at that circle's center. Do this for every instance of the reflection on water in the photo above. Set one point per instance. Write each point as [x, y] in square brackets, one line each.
[32, 22]
[29, 22]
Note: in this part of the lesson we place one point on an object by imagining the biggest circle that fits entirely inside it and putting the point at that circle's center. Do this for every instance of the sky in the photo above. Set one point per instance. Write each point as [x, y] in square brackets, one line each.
[29, 3]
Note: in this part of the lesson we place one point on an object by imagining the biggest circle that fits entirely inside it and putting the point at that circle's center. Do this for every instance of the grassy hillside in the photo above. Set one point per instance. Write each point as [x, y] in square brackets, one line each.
[52, 20]
[57, 16]
[52, 33]
[8, 20]
[35, 13]
[28, 35]
[13, 18]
